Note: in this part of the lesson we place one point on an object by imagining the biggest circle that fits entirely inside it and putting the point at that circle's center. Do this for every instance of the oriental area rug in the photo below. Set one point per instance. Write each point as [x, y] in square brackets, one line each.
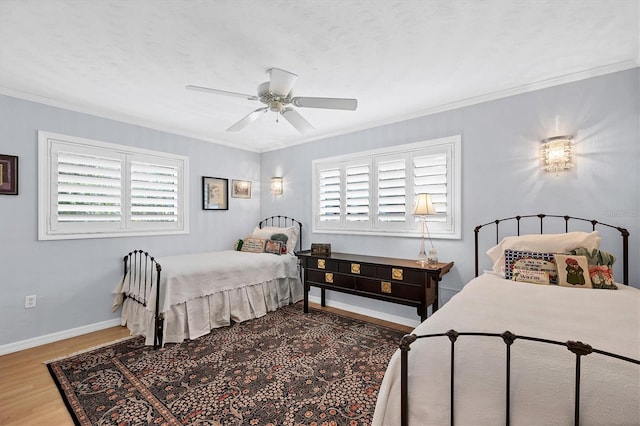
[286, 368]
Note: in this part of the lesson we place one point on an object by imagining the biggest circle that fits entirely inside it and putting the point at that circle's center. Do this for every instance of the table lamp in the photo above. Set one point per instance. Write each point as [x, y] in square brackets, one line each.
[424, 208]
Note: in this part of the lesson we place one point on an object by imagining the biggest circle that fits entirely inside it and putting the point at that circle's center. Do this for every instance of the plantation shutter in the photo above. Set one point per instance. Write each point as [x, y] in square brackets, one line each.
[329, 195]
[374, 192]
[89, 188]
[430, 176]
[391, 191]
[154, 192]
[357, 193]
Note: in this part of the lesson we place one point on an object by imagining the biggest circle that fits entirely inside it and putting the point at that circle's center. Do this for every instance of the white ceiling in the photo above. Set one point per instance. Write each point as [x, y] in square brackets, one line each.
[130, 60]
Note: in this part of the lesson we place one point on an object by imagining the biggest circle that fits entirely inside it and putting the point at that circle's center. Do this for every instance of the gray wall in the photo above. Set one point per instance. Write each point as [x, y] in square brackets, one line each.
[501, 176]
[73, 279]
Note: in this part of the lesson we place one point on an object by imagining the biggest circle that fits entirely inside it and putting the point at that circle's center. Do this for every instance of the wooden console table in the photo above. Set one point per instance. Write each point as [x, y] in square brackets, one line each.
[401, 281]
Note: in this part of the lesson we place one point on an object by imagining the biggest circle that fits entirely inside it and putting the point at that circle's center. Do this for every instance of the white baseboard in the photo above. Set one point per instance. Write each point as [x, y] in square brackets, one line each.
[54, 337]
[66, 334]
[368, 312]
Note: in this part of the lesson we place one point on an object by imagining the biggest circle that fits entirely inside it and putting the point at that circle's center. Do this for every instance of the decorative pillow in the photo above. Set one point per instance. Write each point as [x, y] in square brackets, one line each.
[573, 271]
[539, 268]
[600, 267]
[237, 246]
[266, 232]
[253, 245]
[542, 243]
[283, 238]
[274, 247]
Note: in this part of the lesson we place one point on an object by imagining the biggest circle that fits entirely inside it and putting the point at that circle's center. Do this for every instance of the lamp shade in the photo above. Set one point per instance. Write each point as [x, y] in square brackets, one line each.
[424, 206]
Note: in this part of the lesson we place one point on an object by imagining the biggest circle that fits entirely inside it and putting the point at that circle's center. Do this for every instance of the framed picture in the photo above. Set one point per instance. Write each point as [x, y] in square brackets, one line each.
[215, 193]
[240, 189]
[8, 174]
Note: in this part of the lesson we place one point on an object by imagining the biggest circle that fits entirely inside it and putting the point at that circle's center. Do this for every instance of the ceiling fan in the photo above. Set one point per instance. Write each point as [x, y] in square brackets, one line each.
[276, 94]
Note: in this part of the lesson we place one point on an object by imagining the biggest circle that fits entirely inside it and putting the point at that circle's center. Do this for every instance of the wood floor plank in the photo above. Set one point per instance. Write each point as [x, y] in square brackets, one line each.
[28, 394]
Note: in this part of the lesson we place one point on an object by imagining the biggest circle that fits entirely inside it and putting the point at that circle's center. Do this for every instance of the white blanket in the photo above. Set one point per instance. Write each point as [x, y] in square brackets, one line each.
[199, 292]
[190, 276]
[542, 375]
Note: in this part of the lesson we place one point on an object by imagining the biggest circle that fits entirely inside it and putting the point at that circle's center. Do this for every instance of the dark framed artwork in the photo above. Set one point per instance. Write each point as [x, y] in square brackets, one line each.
[8, 174]
[240, 189]
[215, 193]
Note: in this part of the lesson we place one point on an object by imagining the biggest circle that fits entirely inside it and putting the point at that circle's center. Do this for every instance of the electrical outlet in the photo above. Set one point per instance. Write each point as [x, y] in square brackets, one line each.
[30, 301]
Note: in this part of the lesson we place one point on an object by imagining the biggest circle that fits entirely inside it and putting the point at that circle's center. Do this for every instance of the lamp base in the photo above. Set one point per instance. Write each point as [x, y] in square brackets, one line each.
[432, 257]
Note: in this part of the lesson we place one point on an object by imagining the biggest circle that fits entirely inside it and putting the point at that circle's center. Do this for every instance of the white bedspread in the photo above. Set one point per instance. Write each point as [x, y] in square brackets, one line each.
[542, 375]
[190, 276]
[199, 292]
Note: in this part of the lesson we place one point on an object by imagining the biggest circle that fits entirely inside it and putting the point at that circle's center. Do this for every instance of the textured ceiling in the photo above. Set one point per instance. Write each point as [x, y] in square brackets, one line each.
[130, 60]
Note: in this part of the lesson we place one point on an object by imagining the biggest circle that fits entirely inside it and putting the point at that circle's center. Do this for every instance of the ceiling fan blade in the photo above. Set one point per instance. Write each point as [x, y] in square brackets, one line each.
[221, 92]
[281, 81]
[247, 119]
[327, 103]
[296, 120]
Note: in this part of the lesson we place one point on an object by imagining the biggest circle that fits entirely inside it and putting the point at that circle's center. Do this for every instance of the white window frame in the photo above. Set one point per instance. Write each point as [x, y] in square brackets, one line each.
[49, 228]
[447, 226]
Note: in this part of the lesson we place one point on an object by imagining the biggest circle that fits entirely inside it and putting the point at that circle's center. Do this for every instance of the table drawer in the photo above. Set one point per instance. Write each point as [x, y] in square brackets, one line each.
[388, 273]
[389, 288]
[331, 278]
[321, 263]
[356, 268]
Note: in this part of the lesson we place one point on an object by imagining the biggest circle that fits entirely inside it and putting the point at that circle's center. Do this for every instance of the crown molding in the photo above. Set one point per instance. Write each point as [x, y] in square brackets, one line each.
[492, 96]
[499, 94]
[116, 117]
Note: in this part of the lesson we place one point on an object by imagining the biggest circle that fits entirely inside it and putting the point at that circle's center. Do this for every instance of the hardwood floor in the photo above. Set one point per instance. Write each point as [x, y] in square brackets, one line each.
[28, 395]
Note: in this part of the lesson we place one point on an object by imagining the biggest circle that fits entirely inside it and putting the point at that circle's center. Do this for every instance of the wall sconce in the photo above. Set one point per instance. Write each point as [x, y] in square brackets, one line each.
[276, 185]
[557, 153]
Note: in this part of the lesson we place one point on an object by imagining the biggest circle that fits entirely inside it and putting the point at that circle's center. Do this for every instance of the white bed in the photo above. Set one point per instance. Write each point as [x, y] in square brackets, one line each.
[199, 292]
[174, 298]
[542, 375]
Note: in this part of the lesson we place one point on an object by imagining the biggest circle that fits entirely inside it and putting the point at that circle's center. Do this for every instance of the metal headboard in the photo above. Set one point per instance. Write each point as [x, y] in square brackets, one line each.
[283, 222]
[623, 232]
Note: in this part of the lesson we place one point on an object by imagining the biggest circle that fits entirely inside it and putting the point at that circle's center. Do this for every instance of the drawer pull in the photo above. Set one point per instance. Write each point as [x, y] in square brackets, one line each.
[321, 264]
[328, 277]
[385, 287]
[396, 274]
[355, 268]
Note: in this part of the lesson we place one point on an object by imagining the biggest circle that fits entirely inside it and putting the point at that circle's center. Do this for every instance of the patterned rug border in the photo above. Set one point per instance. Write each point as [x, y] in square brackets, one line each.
[74, 413]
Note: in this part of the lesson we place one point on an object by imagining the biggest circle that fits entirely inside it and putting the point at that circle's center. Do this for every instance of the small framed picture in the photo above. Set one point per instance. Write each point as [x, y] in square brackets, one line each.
[215, 193]
[8, 174]
[240, 189]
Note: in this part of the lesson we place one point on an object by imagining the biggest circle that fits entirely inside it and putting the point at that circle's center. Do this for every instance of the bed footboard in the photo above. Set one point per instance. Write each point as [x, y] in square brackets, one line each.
[578, 348]
[141, 278]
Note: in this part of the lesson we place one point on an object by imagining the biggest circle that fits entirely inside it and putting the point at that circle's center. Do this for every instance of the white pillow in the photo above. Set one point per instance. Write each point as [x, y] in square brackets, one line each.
[544, 243]
[267, 231]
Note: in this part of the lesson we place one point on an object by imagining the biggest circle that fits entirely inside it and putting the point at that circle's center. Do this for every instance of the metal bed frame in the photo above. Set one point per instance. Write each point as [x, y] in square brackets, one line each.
[143, 274]
[578, 348]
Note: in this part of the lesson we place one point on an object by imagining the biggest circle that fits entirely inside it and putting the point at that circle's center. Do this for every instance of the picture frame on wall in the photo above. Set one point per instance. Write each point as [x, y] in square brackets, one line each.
[240, 188]
[8, 174]
[215, 193]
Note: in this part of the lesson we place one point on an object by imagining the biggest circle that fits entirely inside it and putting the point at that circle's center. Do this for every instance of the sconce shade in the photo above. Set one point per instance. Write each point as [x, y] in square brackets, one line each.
[557, 153]
[424, 206]
[276, 185]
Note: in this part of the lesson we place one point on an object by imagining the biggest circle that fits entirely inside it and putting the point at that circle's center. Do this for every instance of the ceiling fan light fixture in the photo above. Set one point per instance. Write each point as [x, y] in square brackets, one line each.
[281, 81]
[277, 95]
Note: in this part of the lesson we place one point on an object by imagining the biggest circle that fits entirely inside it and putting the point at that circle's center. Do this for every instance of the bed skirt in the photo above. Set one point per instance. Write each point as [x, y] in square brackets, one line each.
[197, 317]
